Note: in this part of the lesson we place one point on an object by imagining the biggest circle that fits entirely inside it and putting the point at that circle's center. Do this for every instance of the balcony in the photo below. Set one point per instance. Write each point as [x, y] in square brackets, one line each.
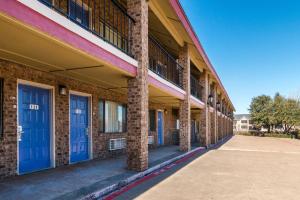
[163, 64]
[106, 19]
[196, 88]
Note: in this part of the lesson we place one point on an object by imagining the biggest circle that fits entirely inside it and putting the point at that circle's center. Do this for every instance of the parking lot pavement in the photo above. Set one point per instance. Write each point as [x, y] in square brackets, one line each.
[245, 167]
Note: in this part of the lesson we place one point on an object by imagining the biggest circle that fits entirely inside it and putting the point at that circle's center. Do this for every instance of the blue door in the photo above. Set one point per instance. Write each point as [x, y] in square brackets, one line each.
[79, 138]
[160, 128]
[33, 128]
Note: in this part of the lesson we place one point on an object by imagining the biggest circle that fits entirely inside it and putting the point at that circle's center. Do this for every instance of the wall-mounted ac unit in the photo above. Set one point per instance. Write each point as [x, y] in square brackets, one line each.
[151, 139]
[118, 143]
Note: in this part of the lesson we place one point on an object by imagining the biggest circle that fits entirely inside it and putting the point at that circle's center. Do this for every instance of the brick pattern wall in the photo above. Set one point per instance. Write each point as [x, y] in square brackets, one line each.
[8, 144]
[137, 143]
[185, 105]
[204, 112]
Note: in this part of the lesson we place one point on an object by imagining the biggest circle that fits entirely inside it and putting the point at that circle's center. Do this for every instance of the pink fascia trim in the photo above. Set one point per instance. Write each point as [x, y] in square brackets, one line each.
[30, 17]
[196, 103]
[156, 83]
[187, 25]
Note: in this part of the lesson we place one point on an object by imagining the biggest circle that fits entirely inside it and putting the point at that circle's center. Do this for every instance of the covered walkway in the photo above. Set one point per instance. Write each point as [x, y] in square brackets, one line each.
[75, 181]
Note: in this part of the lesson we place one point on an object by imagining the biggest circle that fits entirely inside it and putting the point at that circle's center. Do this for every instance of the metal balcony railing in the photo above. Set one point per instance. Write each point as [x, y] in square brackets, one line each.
[105, 18]
[163, 64]
[196, 88]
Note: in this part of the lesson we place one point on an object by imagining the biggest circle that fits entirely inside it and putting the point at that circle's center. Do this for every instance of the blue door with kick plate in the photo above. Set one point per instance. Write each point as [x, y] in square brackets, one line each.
[160, 127]
[79, 119]
[33, 128]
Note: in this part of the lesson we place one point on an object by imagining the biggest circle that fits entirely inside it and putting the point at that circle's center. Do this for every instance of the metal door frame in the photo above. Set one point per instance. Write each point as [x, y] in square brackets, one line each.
[52, 118]
[90, 120]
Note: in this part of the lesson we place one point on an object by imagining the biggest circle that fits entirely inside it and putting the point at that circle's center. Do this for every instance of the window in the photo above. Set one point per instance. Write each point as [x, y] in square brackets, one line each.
[112, 117]
[79, 12]
[152, 120]
[244, 121]
[1, 107]
[244, 127]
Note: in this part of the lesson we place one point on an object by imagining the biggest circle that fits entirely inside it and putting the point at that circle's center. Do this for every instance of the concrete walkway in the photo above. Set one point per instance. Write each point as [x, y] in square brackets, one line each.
[244, 168]
[74, 181]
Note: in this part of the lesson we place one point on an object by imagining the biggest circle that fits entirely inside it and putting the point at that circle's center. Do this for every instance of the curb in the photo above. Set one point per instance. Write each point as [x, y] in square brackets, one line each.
[122, 183]
[109, 189]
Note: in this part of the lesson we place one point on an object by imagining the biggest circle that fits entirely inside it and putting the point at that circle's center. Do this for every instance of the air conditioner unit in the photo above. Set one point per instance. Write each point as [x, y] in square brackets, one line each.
[116, 144]
[151, 139]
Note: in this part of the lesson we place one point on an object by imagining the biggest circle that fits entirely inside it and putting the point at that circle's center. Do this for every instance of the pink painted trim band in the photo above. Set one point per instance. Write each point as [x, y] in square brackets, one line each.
[156, 83]
[30, 17]
[187, 25]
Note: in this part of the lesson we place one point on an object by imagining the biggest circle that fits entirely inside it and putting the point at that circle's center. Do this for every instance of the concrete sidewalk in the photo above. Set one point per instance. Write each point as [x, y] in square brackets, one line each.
[76, 181]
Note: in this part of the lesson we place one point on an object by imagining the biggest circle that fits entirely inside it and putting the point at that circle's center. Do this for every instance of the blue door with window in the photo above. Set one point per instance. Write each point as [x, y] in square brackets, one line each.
[79, 119]
[160, 127]
[33, 128]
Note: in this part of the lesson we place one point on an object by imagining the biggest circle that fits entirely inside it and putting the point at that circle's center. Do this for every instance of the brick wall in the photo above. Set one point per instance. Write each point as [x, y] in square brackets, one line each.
[8, 144]
[137, 142]
[185, 104]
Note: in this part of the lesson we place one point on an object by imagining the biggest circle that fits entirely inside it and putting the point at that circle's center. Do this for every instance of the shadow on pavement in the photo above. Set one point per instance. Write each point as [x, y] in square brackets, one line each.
[138, 187]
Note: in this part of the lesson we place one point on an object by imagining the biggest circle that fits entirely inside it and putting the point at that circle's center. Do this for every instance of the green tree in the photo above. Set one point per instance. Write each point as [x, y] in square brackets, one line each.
[277, 114]
[260, 111]
[291, 114]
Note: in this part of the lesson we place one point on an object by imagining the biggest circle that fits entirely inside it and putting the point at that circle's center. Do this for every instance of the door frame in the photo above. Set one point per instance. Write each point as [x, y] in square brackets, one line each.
[90, 121]
[52, 117]
[163, 132]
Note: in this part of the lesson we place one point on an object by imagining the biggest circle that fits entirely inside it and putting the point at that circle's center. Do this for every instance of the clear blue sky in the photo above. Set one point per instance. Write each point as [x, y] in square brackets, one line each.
[253, 44]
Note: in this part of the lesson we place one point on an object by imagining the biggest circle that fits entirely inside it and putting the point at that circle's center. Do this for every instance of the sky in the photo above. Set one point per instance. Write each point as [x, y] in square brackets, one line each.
[254, 45]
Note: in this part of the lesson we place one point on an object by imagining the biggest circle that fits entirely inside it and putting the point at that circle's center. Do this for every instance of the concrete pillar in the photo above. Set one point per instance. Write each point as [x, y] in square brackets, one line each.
[204, 116]
[185, 104]
[137, 117]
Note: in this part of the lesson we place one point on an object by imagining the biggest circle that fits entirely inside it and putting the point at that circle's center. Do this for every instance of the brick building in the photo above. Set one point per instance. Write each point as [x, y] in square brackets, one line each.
[86, 79]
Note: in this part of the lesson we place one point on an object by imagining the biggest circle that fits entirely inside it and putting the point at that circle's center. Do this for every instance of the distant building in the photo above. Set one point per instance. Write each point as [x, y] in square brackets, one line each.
[242, 123]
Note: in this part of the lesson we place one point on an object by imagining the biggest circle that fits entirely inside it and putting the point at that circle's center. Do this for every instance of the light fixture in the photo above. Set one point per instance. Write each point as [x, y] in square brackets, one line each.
[62, 90]
[210, 99]
[218, 105]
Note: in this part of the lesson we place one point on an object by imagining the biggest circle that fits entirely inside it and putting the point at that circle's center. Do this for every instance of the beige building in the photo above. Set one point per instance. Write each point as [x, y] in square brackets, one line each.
[242, 123]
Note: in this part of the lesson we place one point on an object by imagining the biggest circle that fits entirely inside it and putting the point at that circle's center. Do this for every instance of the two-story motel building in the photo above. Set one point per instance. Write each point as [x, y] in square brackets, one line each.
[82, 78]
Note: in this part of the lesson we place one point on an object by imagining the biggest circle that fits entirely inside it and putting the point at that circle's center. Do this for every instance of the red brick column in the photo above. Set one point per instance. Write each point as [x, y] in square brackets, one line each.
[185, 105]
[204, 116]
[137, 117]
[215, 117]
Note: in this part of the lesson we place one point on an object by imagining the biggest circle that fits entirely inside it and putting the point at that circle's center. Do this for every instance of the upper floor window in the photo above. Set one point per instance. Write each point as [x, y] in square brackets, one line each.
[112, 117]
[244, 121]
[80, 12]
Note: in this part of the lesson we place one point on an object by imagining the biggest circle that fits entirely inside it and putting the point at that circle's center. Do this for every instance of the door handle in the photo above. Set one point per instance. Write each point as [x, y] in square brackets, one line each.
[20, 132]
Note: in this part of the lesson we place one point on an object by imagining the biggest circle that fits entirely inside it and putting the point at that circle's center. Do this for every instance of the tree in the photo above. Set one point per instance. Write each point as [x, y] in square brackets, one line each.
[278, 110]
[260, 111]
[291, 114]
